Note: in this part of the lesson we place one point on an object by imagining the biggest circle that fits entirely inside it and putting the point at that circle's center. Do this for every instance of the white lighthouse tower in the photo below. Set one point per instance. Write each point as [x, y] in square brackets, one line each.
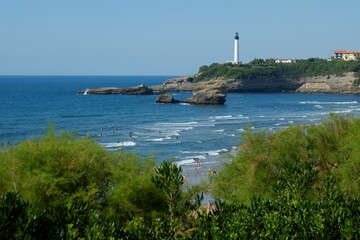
[236, 49]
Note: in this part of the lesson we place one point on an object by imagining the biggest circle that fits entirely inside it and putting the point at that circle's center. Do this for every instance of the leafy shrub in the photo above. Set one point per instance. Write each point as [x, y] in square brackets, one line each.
[268, 69]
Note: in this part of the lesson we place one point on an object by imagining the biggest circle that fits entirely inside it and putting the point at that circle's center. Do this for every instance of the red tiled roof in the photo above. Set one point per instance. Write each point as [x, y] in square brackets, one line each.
[343, 51]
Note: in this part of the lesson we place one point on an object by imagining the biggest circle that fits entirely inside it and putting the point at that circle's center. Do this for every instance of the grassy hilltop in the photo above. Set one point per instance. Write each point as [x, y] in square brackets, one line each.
[259, 68]
[302, 182]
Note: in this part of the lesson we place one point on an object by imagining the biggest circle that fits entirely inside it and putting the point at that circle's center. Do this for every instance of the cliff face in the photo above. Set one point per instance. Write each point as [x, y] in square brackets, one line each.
[324, 84]
[320, 84]
[263, 85]
[329, 84]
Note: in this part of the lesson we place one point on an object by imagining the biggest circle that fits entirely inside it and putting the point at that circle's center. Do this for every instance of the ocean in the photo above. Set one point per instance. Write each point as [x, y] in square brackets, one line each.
[184, 133]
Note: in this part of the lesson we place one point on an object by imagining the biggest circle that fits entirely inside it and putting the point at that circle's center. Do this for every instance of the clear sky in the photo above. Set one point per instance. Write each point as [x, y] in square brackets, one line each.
[166, 37]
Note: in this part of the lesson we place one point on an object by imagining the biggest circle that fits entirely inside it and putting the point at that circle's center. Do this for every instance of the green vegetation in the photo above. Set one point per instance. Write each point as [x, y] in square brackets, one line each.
[298, 183]
[357, 80]
[318, 152]
[259, 68]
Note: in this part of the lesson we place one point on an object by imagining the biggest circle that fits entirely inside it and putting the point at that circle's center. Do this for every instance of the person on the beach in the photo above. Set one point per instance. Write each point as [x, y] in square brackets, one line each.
[209, 207]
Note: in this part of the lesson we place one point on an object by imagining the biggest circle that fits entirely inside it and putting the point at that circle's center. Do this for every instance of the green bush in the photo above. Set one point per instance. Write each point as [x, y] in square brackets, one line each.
[298, 183]
[330, 148]
[268, 69]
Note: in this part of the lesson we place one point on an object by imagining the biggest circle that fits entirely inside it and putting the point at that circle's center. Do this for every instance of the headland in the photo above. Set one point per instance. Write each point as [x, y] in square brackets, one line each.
[305, 76]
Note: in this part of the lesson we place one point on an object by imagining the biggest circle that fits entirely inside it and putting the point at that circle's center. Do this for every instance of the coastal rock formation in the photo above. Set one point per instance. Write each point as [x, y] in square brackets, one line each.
[186, 84]
[166, 98]
[138, 90]
[262, 85]
[210, 93]
[182, 84]
[323, 84]
[329, 84]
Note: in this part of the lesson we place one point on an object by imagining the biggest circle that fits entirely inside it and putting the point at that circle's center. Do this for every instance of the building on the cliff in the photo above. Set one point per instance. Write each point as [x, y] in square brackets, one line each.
[346, 55]
[236, 49]
[285, 60]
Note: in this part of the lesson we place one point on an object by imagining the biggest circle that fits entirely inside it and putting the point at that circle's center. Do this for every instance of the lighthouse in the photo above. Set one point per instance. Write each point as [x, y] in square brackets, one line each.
[236, 49]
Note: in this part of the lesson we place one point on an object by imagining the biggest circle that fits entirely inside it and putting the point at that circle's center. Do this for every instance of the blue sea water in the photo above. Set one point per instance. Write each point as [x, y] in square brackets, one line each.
[182, 132]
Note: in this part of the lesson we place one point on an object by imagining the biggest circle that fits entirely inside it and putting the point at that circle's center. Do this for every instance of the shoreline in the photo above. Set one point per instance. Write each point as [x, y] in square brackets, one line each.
[194, 175]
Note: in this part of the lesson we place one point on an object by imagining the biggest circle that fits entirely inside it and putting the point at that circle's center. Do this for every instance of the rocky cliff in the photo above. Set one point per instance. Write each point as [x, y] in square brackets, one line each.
[323, 84]
[319, 84]
[329, 84]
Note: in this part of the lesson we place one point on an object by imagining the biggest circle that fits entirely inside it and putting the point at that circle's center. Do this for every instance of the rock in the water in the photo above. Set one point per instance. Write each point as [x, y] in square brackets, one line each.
[166, 98]
[212, 94]
[138, 90]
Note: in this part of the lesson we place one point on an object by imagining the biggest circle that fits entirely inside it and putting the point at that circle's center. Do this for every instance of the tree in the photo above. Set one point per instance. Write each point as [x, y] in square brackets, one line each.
[53, 169]
[267, 157]
[203, 68]
[257, 61]
[169, 181]
[132, 192]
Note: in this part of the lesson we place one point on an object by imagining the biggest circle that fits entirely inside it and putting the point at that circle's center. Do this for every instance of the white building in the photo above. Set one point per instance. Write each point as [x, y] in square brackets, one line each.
[285, 60]
[346, 55]
[236, 49]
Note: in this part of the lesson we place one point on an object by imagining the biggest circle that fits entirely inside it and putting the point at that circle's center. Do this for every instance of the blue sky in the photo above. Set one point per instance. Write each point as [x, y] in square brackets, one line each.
[159, 37]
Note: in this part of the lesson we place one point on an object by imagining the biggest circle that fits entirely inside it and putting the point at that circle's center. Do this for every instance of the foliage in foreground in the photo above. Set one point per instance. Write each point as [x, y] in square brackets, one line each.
[304, 183]
[328, 149]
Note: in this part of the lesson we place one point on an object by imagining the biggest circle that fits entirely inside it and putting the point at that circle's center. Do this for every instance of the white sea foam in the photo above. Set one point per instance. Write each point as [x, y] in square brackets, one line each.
[177, 123]
[220, 131]
[176, 142]
[185, 162]
[207, 153]
[319, 106]
[205, 125]
[222, 117]
[155, 139]
[229, 117]
[344, 111]
[316, 102]
[119, 144]
[201, 157]
[217, 152]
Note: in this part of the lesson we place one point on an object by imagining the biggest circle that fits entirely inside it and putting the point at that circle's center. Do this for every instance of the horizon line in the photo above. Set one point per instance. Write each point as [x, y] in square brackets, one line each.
[88, 75]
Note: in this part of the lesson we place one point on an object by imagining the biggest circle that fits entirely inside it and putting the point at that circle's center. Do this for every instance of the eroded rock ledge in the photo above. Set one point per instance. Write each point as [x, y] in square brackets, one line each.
[323, 84]
[207, 94]
[137, 90]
